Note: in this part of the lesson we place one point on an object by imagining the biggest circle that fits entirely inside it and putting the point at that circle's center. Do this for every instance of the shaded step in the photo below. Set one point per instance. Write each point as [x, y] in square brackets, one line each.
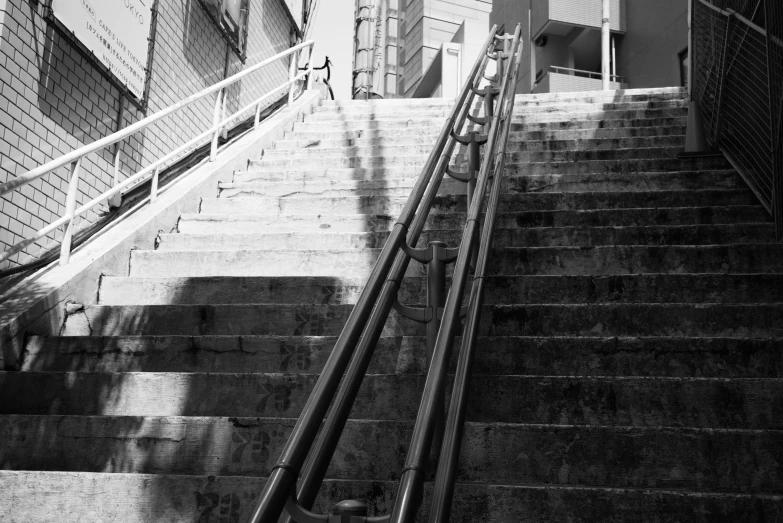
[582, 115]
[642, 121]
[235, 319]
[140, 498]
[636, 259]
[560, 356]
[617, 181]
[393, 205]
[722, 320]
[507, 454]
[640, 402]
[336, 263]
[313, 150]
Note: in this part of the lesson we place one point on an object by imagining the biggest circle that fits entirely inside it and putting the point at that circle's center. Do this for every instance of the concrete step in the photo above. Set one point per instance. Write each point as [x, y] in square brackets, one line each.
[368, 128]
[710, 357]
[412, 114]
[397, 185]
[639, 259]
[750, 404]
[231, 319]
[375, 450]
[565, 146]
[140, 498]
[393, 205]
[416, 156]
[621, 94]
[351, 138]
[510, 237]
[247, 223]
[645, 288]
[302, 140]
[706, 319]
[337, 111]
[582, 115]
[334, 263]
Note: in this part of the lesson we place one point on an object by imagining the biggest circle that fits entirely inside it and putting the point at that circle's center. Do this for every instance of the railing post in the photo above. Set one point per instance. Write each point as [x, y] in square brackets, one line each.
[154, 189]
[774, 127]
[215, 123]
[310, 68]
[292, 68]
[724, 63]
[70, 211]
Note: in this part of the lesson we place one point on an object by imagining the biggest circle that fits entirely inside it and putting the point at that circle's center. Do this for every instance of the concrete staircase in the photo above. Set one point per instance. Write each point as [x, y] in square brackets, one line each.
[630, 368]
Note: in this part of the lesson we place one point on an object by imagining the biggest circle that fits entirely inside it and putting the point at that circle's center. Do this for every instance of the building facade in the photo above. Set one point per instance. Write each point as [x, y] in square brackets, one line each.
[649, 43]
[55, 97]
[425, 26]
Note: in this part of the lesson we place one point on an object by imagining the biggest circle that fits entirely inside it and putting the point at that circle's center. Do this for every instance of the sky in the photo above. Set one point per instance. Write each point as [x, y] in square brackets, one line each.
[331, 26]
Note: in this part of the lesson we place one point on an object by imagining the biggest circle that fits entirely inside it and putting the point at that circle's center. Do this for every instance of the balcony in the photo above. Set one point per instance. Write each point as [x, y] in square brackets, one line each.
[563, 80]
[559, 17]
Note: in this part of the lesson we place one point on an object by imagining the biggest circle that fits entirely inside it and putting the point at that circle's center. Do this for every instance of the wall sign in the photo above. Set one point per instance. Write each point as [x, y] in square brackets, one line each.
[116, 32]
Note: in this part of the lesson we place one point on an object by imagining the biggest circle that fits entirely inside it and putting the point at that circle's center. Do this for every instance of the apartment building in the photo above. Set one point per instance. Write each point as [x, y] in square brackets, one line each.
[648, 45]
[426, 30]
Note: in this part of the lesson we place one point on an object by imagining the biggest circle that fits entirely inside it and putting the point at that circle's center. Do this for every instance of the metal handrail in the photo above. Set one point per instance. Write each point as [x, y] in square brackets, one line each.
[445, 479]
[366, 321]
[410, 491]
[74, 158]
[589, 74]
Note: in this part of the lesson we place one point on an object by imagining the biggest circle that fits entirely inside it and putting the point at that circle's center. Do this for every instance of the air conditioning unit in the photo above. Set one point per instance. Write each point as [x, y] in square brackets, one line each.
[540, 41]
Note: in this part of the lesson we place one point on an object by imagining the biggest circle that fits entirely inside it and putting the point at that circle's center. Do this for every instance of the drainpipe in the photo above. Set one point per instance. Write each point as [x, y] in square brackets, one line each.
[605, 44]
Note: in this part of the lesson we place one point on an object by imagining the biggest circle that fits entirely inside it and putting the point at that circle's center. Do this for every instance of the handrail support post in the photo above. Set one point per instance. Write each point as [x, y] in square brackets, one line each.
[70, 211]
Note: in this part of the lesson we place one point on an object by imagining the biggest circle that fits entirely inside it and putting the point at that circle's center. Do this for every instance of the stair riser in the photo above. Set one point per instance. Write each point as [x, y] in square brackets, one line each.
[183, 320]
[632, 402]
[612, 121]
[337, 264]
[640, 260]
[417, 156]
[376, 450]
[588, 356]
[634, 320]
[508, 202]
[137, 498]
[299, 139]
[519, 108]
[510, 237]
[238, 223]
[583, 113]
[424, 147]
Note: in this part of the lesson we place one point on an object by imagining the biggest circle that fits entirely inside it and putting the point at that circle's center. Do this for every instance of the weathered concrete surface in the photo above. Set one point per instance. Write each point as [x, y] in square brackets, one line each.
[141, 498]
[650, 458]
[40, 301]
[515, 355]
[628, 367]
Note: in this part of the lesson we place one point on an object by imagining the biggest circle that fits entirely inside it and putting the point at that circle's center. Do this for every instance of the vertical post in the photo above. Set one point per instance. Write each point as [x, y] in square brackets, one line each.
[605, 36]
[257, 119]
[215, 122]
[70, 211]
[722, 81]
[310, 79]
[774, 127]
[614, 59]
[436, 300]
[370, 51]
[292, 74]
[154, 189]
[690, 52]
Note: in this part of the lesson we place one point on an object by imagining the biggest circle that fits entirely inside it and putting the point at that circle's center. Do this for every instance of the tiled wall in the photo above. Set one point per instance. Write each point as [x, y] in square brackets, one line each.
[52, 101]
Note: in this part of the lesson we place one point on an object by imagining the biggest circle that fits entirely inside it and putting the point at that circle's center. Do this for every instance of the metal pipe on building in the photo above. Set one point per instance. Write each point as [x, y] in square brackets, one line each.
[605, 44]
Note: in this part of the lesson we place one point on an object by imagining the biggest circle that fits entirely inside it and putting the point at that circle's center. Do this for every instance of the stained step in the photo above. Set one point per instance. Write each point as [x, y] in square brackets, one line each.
[140, 498]
[715, 357]
[629, 401]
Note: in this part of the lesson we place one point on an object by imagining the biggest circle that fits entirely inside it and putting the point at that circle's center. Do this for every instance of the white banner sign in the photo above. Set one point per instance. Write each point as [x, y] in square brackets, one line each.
[116, 31]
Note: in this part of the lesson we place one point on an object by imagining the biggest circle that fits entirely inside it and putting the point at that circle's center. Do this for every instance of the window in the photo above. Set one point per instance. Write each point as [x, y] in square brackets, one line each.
[683, 60]
[230, 17]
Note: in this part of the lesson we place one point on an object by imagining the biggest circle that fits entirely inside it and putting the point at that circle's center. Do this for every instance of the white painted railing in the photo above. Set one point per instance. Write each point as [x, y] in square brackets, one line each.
[219, 122]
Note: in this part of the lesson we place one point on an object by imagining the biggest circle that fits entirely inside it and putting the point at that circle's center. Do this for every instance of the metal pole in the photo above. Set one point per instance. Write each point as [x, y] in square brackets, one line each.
[70, 211]
[690, 51]
[777, 177]
[605, 44]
